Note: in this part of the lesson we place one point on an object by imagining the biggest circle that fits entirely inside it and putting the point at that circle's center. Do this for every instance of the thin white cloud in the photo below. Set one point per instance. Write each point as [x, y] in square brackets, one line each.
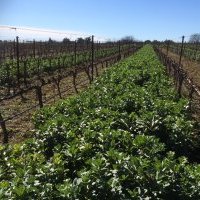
[29, 33]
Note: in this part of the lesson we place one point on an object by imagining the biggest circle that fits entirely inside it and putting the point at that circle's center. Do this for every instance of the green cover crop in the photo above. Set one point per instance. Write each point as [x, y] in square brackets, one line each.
[120, 139]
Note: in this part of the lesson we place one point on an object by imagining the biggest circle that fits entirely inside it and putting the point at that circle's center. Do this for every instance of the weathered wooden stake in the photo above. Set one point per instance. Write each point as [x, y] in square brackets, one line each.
[39, 95]
[92, 62]
[75, 53]
[190, 97]
[25, 73]
[34, 48]
[119, 50]
[74, 81]
[3, 127]
[17, 54]
[96, 69]
[180, 84]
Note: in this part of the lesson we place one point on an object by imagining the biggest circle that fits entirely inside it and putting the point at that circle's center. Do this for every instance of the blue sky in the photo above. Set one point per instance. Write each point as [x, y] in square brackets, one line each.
[143, 19]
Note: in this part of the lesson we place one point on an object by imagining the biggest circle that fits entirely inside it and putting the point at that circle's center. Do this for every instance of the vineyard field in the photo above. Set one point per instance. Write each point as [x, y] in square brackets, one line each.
[128, 136]
[25, 70]
[38, 86]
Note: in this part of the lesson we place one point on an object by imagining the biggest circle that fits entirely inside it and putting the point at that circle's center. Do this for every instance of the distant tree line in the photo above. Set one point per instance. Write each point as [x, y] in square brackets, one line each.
[128, 39]
[79, 40]
[195, 38]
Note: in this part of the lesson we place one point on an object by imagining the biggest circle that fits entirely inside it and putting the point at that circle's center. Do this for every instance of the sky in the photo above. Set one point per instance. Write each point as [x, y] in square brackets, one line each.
[110, 19]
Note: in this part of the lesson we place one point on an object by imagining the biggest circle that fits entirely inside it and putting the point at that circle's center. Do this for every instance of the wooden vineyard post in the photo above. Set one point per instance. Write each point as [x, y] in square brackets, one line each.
[102, 65]
[3, 127]
[17, 54]
[181, 52]
[39, 95]
[8, 78]
[74, 82]
[190, 97]
[181, 78]
[14, 49]
[74, 71]
[57, 81]
[58, 86]
[92, 63]
[119, 50]
[25, 73]
[34, 48]
[75, 54]
[96, 69]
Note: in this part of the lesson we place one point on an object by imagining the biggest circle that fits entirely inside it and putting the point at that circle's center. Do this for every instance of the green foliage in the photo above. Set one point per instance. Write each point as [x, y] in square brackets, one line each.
[113, 141]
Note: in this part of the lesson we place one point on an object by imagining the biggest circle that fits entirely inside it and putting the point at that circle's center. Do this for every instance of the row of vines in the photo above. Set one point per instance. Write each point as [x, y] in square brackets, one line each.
[123, 138]
[22, 65]
[190, 51]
